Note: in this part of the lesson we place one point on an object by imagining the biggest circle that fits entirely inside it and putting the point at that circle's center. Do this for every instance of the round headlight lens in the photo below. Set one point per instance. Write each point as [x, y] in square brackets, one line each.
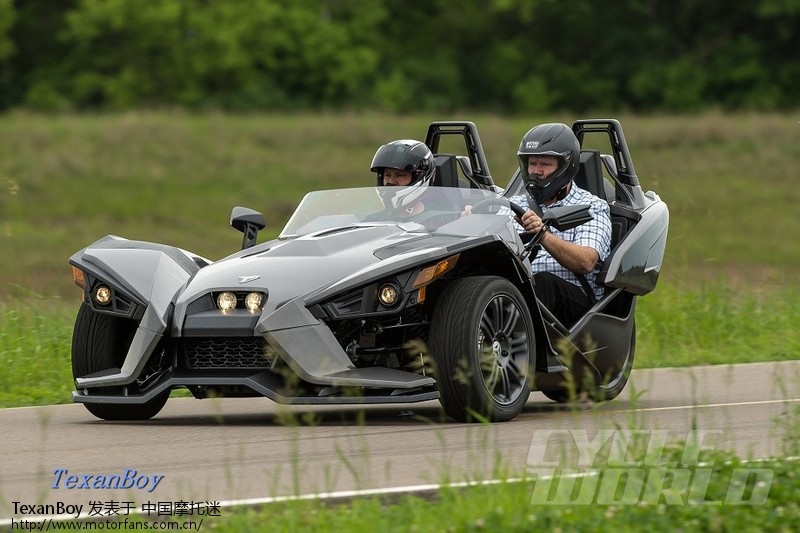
[226, 301]
[102, 295]
[388, 294]
[253, 301]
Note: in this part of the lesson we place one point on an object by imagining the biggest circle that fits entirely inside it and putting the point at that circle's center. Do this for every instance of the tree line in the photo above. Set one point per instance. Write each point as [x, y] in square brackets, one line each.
[399, 55]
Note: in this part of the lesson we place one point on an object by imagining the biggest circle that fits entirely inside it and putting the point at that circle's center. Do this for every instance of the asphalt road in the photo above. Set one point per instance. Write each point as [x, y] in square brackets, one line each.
[233, 449]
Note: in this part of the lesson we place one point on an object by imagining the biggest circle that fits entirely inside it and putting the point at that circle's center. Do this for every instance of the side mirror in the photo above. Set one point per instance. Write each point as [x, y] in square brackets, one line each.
[249, 222]
[568, 217]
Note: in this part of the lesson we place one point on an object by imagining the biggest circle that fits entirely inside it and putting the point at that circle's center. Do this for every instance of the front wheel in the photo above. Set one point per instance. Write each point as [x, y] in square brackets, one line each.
[100, 342]
[483, 343]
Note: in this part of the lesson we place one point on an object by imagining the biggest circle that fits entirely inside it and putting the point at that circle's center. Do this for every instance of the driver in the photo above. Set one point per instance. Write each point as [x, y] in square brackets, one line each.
[565, 268]
[407, 166]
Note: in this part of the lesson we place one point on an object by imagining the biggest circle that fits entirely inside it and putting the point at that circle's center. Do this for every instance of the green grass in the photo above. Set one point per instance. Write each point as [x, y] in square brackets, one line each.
[715, 324]
[508, 508]
[35, 340]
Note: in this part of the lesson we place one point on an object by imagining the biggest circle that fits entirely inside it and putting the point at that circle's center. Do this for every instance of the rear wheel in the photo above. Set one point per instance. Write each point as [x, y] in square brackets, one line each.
[100, 342]
[615, 377]
[482, 341]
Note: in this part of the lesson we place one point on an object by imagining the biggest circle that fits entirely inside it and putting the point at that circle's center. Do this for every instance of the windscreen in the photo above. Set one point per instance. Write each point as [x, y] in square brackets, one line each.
[337, 208]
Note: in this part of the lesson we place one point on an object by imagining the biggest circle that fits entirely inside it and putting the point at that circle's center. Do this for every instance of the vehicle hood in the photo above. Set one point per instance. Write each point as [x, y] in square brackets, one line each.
[290, 268]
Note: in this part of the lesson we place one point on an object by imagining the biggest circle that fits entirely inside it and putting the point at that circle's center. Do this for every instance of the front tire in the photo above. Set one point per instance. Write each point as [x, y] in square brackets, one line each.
[100, 342]
[483, 343]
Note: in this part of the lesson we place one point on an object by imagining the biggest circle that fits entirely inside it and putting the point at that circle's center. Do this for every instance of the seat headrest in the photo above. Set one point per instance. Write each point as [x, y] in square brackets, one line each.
[590, 173]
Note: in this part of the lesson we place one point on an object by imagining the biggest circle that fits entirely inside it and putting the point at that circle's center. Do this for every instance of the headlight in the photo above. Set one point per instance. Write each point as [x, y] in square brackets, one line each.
[102, 295]
[226, 301]
[388, 294]
[253, 301]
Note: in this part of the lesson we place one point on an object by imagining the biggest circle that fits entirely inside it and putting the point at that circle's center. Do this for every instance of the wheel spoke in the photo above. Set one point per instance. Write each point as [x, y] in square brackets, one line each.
[502, 322]
[514, 372]
[505, 384]
[518, 345]
[497, 313]
[487, 326]
[518, 348]
[511, 319]
[490, 375]
[487, 360]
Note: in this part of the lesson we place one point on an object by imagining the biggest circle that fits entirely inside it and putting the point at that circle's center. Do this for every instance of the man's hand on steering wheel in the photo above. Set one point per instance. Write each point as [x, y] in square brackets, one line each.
[484, 207]
[531, 222]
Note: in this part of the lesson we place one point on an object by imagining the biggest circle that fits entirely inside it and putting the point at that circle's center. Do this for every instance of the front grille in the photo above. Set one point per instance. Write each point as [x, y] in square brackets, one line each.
[235, 352]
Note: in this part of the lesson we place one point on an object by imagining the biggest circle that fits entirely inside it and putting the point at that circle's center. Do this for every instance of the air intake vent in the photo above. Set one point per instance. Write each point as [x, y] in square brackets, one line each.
[228, 353]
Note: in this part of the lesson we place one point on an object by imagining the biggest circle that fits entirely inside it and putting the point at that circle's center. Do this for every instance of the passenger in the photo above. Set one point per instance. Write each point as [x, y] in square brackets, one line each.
[565, 268]
[408, 164]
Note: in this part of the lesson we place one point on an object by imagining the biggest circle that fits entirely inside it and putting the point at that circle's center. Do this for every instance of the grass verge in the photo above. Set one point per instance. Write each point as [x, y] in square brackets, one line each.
[35, 340]
[509, 507]
[718, 492]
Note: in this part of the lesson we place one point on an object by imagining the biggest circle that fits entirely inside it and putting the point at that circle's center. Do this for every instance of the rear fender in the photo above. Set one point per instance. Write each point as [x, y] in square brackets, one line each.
[636, 263]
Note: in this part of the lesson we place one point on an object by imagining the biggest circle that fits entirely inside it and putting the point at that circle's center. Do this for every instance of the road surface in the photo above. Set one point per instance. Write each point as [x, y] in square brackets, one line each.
[233, 449]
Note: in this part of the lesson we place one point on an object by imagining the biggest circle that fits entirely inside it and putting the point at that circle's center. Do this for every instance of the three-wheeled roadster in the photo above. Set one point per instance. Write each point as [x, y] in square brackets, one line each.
[355, 304]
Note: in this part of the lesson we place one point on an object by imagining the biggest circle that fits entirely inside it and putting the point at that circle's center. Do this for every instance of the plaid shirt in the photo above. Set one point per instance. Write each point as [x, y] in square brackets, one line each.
[596, 233]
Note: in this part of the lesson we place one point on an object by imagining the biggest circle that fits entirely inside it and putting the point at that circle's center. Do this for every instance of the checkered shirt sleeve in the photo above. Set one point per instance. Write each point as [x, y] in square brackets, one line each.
[596, 233]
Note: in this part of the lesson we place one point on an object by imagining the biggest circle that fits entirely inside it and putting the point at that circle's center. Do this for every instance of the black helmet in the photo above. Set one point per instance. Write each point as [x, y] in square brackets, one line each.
[405, 154]
[556, 140]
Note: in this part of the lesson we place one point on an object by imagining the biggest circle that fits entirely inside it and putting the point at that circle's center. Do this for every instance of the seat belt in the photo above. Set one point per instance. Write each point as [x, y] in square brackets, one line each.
[586, 287]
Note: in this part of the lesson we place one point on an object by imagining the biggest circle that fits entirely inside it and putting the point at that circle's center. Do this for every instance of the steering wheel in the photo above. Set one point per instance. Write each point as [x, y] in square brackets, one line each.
[531, 241]
[484, 204]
